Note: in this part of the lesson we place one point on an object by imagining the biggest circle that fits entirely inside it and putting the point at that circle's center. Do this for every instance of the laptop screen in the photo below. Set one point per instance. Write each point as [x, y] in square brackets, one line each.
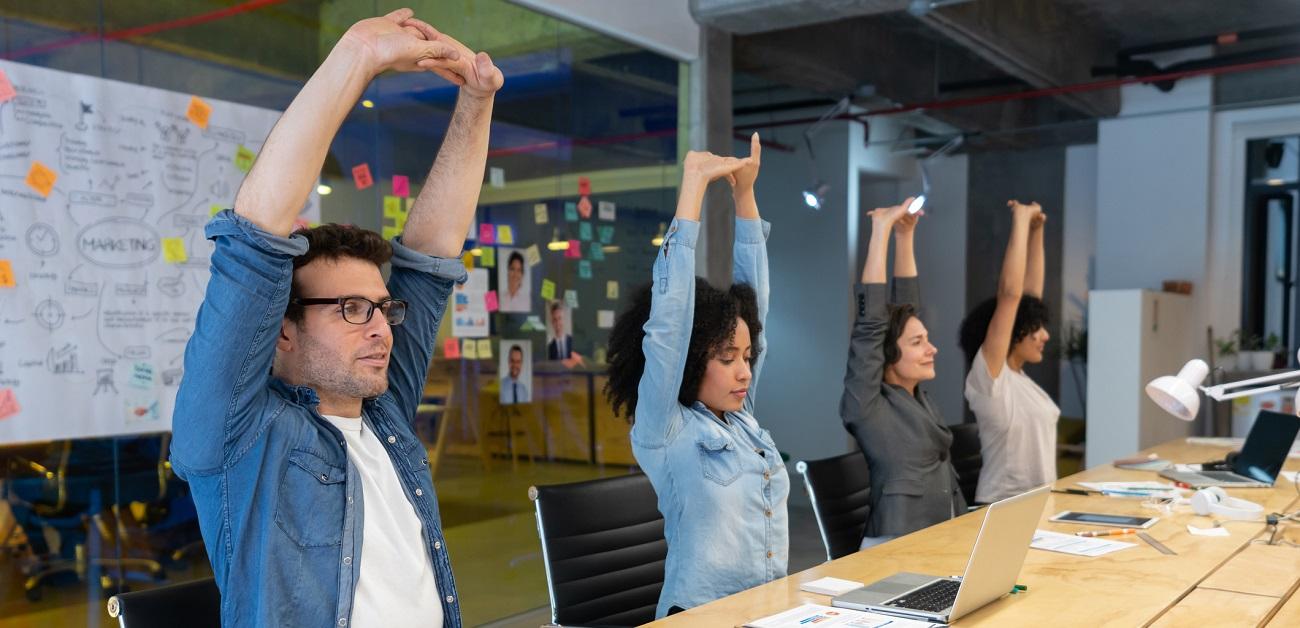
[1266, 446]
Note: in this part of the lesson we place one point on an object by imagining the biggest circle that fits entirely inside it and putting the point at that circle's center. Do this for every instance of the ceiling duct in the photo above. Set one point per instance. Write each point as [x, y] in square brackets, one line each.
[747, 17]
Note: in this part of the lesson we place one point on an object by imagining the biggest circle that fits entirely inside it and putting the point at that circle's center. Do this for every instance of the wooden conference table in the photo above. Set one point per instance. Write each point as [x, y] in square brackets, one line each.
[1215, 581]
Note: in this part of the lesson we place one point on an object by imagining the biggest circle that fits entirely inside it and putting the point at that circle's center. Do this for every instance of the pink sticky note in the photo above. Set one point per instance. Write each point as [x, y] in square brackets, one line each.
[8, 403]
[490, 298]
[7, 91]
[401, 186]
[451, 348]
[584, 186]
[361, 175]
[574, 251]
[487, 233]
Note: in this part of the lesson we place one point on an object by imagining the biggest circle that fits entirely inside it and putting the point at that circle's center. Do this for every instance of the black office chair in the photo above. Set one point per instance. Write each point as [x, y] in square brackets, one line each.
[966, 458]
[194, 604]
[603, 548]
[840, 489]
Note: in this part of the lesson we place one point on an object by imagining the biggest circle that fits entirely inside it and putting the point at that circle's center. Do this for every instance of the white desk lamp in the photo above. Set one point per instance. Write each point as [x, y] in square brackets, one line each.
[1176, 394]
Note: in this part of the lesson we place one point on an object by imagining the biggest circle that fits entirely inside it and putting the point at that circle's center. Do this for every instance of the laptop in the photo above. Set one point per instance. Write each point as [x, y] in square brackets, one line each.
[991, 572]
[1258, 462]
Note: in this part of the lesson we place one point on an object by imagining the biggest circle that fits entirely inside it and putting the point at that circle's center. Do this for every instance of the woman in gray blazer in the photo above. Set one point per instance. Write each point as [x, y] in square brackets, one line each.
[913, 482]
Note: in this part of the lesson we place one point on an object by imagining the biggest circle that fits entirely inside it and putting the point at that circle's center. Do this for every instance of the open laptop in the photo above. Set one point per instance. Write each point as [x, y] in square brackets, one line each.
[1259, 461]
[991, 572]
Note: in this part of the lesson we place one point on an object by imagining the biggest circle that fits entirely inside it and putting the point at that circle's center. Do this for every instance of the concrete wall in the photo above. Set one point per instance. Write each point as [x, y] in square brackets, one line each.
[664, 26]
[1078, 259]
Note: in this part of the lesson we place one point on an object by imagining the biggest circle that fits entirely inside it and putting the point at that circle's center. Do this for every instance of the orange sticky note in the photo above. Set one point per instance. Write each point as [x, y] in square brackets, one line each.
[198, 112]
[174, 250]
[7, 91]
[7, 274]
[451, 348]
[8, 403]
[361, 176]
[41, 179]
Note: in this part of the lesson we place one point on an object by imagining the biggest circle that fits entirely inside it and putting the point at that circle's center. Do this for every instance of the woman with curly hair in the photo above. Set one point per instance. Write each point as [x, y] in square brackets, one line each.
[684, 359]
[1017, 419]
[913, 482]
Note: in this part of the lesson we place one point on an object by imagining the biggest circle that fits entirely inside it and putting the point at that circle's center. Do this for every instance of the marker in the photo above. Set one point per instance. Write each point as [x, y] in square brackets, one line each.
[1092, 533]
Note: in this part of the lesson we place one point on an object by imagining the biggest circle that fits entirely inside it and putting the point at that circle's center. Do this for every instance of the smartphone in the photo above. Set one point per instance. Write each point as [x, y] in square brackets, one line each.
[1098, 519]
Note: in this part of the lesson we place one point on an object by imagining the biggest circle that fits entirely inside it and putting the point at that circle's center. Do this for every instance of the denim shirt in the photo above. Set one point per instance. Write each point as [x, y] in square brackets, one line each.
[722, 487]
[279, 503]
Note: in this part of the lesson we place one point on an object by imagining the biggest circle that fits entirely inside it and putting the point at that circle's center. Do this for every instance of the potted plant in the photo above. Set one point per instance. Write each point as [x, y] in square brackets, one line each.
[1251, 353]
[1226, 348]
[1273, 345]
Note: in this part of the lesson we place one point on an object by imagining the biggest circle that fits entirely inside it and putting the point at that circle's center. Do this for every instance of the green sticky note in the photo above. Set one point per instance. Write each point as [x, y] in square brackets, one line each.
[244, 158]
[214, 210]
[584, 231]
[571, 298]
[584, 269]
[606, 234]
[548, 289]
[489, 257]
[393, 207]
[570, 211]
[597, 251]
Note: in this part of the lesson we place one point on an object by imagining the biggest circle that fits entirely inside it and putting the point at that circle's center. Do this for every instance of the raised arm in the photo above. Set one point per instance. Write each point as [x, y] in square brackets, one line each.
[865, 371]
[290, 161]
[672, 306]
[1011, 286]
[749, 254]
[1035, 265]
[907, 288]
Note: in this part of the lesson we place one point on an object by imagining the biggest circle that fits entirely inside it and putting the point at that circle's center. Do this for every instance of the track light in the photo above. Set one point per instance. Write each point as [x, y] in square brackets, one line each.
[556, 244]
[815, 196]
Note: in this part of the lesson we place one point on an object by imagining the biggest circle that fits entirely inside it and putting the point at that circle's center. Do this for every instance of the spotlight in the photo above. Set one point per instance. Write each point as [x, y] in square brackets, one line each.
[916, 205]
[815, 196]
[323, 189]
[367, 103]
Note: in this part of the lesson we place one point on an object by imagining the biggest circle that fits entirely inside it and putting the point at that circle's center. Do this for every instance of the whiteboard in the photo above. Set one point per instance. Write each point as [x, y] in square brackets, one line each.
[93, 332]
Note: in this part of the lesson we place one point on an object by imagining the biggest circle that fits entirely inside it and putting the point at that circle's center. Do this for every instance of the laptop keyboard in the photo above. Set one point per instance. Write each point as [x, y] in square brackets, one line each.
[931, 598]
[1224, 476]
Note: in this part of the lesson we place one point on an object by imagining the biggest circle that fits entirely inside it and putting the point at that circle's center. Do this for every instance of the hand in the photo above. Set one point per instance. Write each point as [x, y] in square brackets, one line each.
[388, 43]
[1028, 212]
[1038, 221]
[705, 167]
[906, 224]
[482, 79]
[890, 216]
[742, 180]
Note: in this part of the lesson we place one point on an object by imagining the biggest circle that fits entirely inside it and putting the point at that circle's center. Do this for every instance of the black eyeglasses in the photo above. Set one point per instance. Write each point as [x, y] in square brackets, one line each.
[358, 310]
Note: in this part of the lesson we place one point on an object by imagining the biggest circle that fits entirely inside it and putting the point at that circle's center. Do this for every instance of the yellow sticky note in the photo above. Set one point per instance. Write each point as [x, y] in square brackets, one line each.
[393, 207]
[548, 289]
[611, 290]
[489, 257]
[468, 258]
[174, 250]
[485, 348]
[41, 178]
[505, 235]
[198, 112]
[244, 158]
[214, 210]
[469, 349]
[389, 232]
[533, 255]
[7, 274]
[539, 214]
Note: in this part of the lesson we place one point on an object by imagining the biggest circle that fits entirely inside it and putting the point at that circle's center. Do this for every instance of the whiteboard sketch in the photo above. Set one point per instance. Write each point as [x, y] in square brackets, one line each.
[109, 267]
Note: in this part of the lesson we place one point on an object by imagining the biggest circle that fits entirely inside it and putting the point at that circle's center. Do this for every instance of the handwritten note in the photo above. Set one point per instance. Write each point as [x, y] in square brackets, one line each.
[605, 319]
[491, 301]
[611, 290]
[605, 210]
[451, 348]
[484, 348]
[606, 234]
[244, 158]
[505, 235]
[574, 251]
[173, 250]
[469, 349]
[488, 257]
[584, 269]
[7, 279]
[540, 215]
[41, 178]
[7, 91]
[584, 231]
[571, 298]
[401, 186]
[497, 177]
[8, 403]
[361, 176]
[198, 112]
[393, 207]
[533, 255]
[548, 289]
[597, 251]
[142, 375]
[571, 211]
[487, 233]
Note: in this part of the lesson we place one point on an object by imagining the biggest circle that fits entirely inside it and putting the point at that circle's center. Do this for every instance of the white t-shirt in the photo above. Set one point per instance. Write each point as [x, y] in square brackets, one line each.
[396, 588]
[1017, 421]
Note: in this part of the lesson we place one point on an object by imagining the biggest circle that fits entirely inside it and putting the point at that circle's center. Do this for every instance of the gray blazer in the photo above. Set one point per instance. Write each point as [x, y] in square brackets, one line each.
[913, 482]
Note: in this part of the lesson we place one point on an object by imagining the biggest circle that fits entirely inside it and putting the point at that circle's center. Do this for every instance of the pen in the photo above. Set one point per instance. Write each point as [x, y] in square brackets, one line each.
[1133, 493]
[1092, 533]
[1071, 491]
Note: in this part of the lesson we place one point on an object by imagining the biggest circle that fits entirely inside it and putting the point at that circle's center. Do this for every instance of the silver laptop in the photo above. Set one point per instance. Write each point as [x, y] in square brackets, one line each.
[1259, 461]
[991, 572]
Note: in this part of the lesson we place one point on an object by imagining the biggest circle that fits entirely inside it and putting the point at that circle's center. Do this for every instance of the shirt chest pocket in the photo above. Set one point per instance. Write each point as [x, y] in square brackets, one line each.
[719, 460]
[310, 505]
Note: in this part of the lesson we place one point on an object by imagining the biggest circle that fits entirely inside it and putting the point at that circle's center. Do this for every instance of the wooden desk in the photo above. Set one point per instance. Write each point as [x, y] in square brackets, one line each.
[1138, 586]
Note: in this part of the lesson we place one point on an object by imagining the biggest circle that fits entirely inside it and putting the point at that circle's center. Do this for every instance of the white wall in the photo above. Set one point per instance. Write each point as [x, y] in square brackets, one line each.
[1078, 247]
[664, 26]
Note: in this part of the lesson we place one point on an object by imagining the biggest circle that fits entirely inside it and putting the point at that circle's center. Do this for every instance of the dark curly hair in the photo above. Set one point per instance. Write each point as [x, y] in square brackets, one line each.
[1031, 316]
[716, 312]
[899, 314]
[332, 242]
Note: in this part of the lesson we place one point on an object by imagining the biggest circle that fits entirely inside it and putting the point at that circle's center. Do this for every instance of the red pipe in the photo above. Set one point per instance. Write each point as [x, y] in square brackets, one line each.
[146, 29]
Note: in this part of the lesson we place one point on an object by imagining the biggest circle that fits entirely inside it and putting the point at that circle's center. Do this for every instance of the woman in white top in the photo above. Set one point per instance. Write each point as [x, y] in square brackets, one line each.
[1017, 419]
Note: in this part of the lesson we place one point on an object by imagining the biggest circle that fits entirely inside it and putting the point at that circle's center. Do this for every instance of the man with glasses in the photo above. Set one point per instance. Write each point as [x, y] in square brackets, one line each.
[292, 422]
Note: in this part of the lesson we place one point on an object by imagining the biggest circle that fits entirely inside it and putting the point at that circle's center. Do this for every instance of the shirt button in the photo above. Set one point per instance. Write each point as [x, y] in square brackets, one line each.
[419, 492]
[343, 621]
[349, 499]
[451, 599]
[437, 545]
[347, 560]
[769, 554]
[392, 439]
[324, 478]
[768, 513]
[767, 476]
[424, 463]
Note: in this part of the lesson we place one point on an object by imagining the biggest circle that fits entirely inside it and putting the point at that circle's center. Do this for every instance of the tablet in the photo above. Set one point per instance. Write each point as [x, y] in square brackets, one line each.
[1099, 519]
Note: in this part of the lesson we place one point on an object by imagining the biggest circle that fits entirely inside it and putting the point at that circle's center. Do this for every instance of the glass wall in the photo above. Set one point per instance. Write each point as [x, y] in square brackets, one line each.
[582, 179]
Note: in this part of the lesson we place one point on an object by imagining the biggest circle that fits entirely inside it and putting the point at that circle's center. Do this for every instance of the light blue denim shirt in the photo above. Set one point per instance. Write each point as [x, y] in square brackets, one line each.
[279, 502]
[722, 487]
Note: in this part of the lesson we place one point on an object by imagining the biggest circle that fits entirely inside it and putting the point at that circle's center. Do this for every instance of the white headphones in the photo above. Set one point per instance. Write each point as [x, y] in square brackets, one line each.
[1213, 501]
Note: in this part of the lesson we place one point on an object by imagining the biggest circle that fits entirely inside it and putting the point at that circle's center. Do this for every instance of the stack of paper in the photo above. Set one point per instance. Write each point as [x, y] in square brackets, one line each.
[1077, 545]
[810, 614]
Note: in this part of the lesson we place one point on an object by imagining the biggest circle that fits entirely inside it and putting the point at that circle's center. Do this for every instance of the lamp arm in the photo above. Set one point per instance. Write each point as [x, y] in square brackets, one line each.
[1280, 381]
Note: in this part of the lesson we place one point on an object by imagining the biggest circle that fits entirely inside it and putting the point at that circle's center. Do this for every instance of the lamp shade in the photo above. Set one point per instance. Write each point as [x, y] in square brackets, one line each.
[1177, 394]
